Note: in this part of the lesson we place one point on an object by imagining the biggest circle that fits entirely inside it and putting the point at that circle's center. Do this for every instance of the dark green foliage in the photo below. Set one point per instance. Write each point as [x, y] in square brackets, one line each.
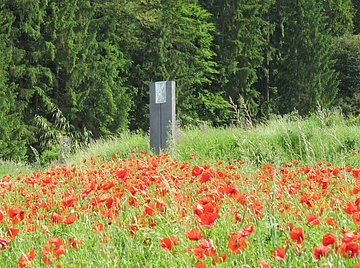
[243, 29]
[82, 68]
[167, 40]
[356, 19]
[183, 50]
[66, 58]
[347, 55]
[340, 14]
[305, 71]
[12, 130]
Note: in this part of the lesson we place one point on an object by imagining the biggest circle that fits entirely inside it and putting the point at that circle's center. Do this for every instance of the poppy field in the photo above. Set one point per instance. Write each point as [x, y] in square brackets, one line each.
[156, 211]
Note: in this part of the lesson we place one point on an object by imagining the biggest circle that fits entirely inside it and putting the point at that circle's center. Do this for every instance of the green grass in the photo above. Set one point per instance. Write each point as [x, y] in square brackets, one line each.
[9, 167]
[268, 197]
[277, 141]
[321, 137]
[260, 200]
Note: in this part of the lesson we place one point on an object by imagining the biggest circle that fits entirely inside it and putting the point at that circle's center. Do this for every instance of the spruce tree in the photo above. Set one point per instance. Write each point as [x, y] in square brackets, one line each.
[305, 70]
[167, 40]
[67, 70]
[340, 14]
[12, 130]
[181, 51]
[356, 19]
[347, 56]
[88, 68]
[242, 48]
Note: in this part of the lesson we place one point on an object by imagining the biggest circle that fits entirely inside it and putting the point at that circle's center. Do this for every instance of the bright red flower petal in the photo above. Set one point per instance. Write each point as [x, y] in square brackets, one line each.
[278, 254]
[194, 234]
[298, 235]
[320, 251]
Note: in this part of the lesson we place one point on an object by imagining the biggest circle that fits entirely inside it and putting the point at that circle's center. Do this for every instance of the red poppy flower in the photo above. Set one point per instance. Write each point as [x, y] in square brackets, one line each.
[107, 185]
[98, 227]
[330, 221]
[1, 216]
[70, 219]
[206, 176]
[59, 251]
[207, 219]
[16, 215]
[47, 260]
[320, 251]
[149, 210]
[13, 232]
[357, 204]
[236, 243]
[121, 174]
[197, 171]
[356, 172]
[329, 239]
[246, 231]
[69, 201]
[264, 264]
[55, 218]
[4, 243]
[219, 259]
[13, 212]
[349, 208]
[347, 248]
[73, 243]
[312, 219]
[27, 259]
[298, 235]
[45, 251]
[169, 242]
[349, 236]
[194, 234]
[199, 253]
[56, 242]
[278, 254]
[208, 246]
[200, 265]
[356, 218]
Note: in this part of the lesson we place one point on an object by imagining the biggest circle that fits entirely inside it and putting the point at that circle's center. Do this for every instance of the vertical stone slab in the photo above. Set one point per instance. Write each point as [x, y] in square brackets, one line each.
[162, 115]
[65, 145]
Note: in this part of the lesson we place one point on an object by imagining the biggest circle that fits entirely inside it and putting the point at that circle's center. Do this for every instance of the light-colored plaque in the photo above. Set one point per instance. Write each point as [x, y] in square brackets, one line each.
[160, 92]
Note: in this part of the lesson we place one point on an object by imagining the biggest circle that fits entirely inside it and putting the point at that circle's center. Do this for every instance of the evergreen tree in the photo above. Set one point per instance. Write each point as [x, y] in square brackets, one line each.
[356, 20]
[88, 68]
[347, 56]
[67, 70]
[305, 71]
[12, 131]
[242, 48]
[168, 40]
[23, 69]
[340, 14]
[181, 51]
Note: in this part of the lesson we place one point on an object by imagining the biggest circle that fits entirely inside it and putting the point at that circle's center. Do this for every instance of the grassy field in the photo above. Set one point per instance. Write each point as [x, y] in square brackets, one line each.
[284, 194]
[325, 137]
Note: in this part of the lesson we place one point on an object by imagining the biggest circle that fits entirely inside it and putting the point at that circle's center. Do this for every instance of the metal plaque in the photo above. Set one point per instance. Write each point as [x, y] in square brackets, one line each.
[160, 92]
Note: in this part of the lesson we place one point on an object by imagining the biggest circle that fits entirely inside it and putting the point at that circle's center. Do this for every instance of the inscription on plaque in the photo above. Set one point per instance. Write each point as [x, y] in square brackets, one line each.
[160, 92]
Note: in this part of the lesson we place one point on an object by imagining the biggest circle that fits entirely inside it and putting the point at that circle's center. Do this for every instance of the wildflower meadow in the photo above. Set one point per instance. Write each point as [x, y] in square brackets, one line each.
[151, 210]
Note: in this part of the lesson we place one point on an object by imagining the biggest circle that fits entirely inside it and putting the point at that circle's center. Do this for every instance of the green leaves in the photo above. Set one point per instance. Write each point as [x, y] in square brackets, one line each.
[347, 55]
[306, 75]
[243, 28]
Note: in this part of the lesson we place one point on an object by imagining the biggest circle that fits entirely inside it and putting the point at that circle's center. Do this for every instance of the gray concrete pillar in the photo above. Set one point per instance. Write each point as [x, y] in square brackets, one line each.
[162, 115]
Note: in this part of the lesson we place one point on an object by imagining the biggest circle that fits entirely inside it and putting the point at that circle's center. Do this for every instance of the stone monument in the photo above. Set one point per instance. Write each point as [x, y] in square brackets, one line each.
[162, 115]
